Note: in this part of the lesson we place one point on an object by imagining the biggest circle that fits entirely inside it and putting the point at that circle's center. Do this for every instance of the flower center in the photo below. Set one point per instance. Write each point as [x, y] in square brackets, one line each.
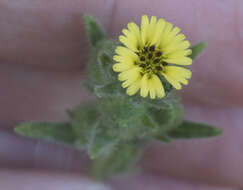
[151, 60]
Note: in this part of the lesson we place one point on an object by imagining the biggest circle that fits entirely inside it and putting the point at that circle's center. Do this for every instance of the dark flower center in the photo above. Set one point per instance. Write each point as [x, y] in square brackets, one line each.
[151, 60]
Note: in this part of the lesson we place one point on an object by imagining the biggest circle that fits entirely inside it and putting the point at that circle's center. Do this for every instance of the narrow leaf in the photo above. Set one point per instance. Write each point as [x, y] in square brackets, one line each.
[94, 30]
[190, 129]
[57, 132]
[198, 49]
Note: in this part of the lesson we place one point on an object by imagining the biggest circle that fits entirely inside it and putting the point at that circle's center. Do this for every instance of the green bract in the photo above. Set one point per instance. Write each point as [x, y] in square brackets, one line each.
[114, 128]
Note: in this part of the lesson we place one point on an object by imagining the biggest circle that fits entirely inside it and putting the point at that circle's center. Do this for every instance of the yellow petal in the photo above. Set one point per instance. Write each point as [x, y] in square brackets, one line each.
[158, 31]
[184, 81]
[152, 93]
[132, 80]
[151, 87]
[179, 71]
[118, 58]
[134, 29]
[144, 29]
[128, 42]
[120, 67]
[179, 53]
[136, 32]
[176, 75]
[176, 46]
[144, 86]
[131, 74]
[151, 84]
[159, 89]
[171, 36]
[123, 59]
[152, 29]
[187, 52]
[172, 81]
[134, 87]
[165, 35]
[179, 38]
[175, 31]
[179, 60]
[125, 52]
[132, 38]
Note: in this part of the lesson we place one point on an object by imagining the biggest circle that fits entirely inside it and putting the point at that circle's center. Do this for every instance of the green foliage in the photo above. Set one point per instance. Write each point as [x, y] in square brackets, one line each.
[121, 159]
[57, 132]
[108, 90]
[198, 49]
[94, 30]
[84, 120]
[91, 135]
[122, 115]
[164, 115]
[190, 129]
[99, 69]
[167, 112]
[114, 128]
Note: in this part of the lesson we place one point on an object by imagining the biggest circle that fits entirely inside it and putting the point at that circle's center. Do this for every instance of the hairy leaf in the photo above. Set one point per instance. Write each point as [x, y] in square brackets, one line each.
[198, 49]
[120, 160]
[190, 129]
[95, 31]
[165, 113]
[99, 68]
[91, 135]
[123, 117]
[108, 90]
[57, 132]
[83, 119]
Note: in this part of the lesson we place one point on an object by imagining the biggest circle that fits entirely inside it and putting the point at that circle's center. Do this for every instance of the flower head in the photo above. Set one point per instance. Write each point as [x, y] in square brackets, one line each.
[154, 51]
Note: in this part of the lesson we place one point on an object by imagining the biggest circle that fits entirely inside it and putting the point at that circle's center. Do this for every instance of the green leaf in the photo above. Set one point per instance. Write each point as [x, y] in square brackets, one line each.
[165, 113]
[109, 90]
[198, 49]
[57, 132]
[123, 117]
[100, 142]
[91, 134]
[99, 69]
[190, 129]
[119, 160]
[83, 119]
[94, 30]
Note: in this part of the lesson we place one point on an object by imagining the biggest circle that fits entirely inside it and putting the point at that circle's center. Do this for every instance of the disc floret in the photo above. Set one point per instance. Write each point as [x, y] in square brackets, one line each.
[151, 60]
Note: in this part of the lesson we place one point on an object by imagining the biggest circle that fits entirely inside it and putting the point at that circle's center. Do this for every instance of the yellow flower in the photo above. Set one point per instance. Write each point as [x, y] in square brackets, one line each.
[155, 50]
